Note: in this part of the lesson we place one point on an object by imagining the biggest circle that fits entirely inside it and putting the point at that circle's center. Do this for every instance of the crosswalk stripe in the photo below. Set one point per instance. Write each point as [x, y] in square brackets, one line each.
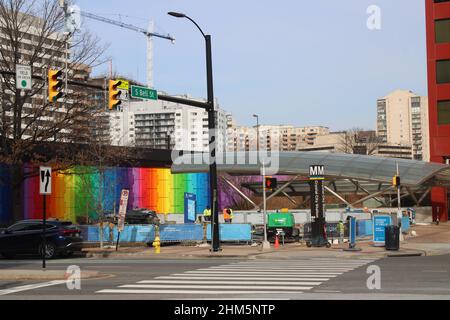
[227, 275]
[201, 292]
[164, 286]
[249, 277]
[261, 272]
[276, 269]
[255, 277]
[302, 283]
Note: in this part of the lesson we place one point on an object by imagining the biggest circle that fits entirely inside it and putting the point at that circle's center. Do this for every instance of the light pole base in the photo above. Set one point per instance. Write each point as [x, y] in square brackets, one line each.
[266, 245]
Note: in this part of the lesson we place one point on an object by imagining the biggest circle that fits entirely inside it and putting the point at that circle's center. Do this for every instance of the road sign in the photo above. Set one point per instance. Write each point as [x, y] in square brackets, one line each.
[45, 180]
[124, 85]
[143, 93]
[316, 172]
[23, 77]
[122, 209]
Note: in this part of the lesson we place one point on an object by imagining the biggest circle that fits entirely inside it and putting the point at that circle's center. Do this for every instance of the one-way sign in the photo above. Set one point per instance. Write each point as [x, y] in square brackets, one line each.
[45, 180]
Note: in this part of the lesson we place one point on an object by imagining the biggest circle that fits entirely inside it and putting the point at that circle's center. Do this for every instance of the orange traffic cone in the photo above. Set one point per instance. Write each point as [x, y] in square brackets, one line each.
[277, 243]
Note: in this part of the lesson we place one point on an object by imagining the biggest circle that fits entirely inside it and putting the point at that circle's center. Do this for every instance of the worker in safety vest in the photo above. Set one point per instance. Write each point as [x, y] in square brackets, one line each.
[228, 215]
[207, 214]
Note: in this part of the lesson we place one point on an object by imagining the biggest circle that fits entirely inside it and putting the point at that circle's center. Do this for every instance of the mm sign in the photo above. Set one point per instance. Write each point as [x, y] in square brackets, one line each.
[316, 172]
[122, 209]
[45, 180]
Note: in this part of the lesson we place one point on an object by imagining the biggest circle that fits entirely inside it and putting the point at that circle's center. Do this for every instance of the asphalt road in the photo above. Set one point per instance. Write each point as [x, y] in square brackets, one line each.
[315, 278]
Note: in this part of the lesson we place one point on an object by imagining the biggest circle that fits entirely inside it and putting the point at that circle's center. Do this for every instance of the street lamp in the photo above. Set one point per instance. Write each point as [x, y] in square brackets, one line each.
[257, 131]
[212, 136]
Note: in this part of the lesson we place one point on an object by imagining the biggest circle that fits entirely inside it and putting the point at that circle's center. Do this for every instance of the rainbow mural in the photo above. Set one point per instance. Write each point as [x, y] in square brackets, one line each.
[82, 190]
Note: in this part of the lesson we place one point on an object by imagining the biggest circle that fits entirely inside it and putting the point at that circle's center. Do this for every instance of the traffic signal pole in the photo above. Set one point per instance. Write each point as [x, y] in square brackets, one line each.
[266, 243]
[215, 243]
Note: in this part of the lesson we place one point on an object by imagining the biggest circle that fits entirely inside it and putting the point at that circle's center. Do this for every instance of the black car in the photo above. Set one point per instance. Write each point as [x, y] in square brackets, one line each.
[25, 237]
[142, 216]
[135, 216]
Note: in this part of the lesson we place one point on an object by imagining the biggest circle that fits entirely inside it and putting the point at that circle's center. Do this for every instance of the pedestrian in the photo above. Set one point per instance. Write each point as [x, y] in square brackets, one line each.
[207, 214]
[228, 215]
[340, 229]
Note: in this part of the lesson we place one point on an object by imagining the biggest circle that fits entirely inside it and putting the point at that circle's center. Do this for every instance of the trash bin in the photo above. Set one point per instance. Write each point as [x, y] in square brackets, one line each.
[392, 237]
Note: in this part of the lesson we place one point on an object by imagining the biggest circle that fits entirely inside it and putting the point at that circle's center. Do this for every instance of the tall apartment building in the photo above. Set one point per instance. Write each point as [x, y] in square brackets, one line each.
[402, 120]
[272, 137]
[438, 61]
[46, 50]
[165, 125]
[364, 144]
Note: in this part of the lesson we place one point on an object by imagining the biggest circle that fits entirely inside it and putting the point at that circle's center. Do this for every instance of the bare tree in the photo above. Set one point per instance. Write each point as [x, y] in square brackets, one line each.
[32, 33]
[359, 141]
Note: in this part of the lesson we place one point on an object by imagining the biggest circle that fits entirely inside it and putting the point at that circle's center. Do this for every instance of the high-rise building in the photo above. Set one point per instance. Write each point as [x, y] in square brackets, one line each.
[402, 119]
[165, 125]
[272, 137]
[438, 55]
[36, 46]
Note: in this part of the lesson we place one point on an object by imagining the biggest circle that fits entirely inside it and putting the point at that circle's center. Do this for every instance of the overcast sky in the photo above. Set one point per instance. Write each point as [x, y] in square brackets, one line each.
[290, 61]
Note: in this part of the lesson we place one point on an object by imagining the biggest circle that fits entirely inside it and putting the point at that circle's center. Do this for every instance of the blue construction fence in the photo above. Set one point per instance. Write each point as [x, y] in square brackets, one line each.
[364, 228]
[167, 233]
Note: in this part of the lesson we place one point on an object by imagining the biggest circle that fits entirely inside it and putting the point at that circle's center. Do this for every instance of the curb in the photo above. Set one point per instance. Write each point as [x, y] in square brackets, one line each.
[47, 275]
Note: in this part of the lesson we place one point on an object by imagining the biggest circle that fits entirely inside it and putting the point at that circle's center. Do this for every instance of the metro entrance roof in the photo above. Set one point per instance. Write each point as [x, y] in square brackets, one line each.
[337, 166]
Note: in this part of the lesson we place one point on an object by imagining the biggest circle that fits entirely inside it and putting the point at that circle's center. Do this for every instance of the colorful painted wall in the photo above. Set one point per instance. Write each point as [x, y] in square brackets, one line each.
[79, 192]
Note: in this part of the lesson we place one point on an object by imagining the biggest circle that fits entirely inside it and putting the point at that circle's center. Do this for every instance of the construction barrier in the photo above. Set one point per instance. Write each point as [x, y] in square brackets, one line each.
[232, 232]
[167, 233]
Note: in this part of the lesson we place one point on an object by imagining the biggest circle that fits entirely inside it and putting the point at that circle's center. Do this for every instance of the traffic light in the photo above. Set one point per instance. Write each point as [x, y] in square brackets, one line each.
[270, 183]
[114, 94]
[396, 181]
[54, 85]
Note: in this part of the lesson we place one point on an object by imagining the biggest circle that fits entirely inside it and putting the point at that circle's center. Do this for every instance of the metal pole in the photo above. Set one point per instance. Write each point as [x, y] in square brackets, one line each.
[212, 149]
[266, 244]
[399, 213]
[44, 225]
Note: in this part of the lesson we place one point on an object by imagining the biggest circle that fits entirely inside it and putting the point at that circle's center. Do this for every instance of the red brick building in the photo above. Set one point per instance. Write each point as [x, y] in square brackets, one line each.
[438, 52]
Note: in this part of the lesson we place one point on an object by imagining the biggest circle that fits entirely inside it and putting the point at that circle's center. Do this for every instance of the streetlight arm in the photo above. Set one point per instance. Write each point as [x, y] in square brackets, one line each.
[198, 27]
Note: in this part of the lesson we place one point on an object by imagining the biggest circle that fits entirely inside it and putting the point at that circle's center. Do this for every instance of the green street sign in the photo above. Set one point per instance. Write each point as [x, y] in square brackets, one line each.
[143, 93]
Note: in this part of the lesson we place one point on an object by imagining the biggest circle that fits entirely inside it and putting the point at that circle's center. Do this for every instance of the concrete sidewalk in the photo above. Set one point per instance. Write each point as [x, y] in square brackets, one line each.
[430, 240]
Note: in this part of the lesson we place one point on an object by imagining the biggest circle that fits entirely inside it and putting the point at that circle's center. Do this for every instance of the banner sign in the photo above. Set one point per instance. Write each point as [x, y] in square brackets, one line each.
[123, 208]
[379, 224]
[317, 198]
[190, 201]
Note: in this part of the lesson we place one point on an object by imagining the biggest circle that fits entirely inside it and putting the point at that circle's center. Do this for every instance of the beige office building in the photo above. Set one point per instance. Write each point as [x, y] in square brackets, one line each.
[402, 119]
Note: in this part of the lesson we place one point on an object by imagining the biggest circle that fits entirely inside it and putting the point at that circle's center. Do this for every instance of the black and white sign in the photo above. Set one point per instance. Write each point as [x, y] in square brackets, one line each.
[123, 209]
[316, 172]
[45, 180]
[23, 77]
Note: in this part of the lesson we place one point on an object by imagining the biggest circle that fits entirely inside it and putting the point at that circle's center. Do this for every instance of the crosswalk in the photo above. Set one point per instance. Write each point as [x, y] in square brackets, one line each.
[248, 277]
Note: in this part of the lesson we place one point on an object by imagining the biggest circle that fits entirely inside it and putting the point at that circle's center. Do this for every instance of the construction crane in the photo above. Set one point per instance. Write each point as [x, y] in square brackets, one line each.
[71, 10]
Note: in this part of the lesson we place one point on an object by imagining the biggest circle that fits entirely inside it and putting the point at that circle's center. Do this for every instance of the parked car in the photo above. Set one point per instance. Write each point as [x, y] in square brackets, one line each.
[142, 216]
[135, 216]
[25, 237]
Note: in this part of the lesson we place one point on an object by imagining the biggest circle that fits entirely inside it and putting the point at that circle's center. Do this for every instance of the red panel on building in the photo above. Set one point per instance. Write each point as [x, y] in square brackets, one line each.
[438, 50]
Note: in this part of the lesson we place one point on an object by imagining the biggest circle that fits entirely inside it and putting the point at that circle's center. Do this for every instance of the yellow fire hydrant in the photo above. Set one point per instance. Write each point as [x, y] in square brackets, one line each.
[157, 244]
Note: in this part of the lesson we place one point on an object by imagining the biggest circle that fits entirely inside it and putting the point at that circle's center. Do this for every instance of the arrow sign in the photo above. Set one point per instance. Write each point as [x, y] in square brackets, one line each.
[45, 180]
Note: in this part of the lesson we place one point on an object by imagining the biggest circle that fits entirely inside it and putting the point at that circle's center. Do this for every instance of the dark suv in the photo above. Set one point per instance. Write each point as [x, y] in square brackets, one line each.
[136, 216]
[25, 237]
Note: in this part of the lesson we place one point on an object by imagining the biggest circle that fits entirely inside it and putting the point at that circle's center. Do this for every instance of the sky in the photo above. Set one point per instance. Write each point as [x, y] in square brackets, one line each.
[293, 62]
